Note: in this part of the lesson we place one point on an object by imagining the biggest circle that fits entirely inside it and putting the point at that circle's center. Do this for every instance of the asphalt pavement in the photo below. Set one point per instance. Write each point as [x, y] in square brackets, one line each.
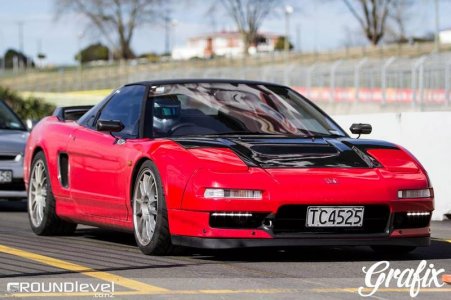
[86, 264]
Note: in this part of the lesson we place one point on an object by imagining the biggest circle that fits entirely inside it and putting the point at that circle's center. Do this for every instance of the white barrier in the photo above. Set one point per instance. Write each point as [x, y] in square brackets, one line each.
[427, 135]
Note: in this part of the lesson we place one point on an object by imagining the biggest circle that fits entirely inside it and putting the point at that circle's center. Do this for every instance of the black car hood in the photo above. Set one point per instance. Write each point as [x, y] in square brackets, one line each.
[289, 152]
[12, 141]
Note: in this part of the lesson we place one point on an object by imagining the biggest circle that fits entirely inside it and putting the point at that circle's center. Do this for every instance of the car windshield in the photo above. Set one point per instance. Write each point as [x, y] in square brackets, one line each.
[194, 109]
[8, 120]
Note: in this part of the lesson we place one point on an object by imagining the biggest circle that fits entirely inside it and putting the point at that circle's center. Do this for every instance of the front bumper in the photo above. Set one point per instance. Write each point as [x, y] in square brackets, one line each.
[195, 229]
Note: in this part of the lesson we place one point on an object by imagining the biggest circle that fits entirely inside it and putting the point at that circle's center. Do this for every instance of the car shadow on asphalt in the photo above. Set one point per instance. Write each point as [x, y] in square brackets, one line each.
[437, 250]
[106, 235]
[13, 205]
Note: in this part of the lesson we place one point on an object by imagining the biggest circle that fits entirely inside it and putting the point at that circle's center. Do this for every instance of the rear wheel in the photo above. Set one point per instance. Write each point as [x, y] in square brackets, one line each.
[150, 217]
[393, 250]
[41, 203]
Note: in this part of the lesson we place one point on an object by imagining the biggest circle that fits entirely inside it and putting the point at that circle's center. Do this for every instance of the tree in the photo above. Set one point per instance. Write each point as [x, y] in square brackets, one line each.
[116, 20]
[398, 16]
[92, 53]
[372, 16]
[248, 16]
[280, 44]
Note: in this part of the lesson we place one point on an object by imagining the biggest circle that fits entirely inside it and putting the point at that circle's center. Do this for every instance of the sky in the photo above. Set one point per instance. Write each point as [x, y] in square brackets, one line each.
[315, 25]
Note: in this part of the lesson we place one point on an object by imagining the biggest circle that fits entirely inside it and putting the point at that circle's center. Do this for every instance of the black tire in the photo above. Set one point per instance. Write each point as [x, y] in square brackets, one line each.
[160, 242]
[393, 250]
[51, 224]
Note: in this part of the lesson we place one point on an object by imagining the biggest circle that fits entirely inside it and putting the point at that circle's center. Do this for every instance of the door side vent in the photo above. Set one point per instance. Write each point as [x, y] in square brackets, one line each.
[63, 175]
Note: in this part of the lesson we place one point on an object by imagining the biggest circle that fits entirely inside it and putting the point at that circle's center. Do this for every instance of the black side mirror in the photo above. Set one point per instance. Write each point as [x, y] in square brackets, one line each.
[360, 128]
[110, 126]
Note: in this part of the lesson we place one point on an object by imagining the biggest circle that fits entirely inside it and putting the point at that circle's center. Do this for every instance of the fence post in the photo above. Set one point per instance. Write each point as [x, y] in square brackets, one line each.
[415, 66]
[287, 72]
[421, 84]
[333, 69]
[310, 71]
[447, 83]
[206, 73]
[265, 72]
[357, 69]
[384, 78]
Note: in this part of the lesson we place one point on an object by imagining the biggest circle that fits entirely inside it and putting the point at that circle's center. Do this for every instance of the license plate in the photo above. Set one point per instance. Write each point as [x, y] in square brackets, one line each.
[6, 176]
[335, 216]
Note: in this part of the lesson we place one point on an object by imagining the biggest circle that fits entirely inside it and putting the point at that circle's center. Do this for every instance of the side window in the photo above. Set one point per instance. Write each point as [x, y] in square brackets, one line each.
[87, 120]
[125, 106]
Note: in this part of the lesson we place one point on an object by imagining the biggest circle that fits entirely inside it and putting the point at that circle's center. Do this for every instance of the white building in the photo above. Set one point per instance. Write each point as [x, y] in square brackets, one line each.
[224, 43]
[445, 36]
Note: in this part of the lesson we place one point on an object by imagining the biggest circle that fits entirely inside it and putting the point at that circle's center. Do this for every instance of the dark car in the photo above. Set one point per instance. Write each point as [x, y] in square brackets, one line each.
[13, 136]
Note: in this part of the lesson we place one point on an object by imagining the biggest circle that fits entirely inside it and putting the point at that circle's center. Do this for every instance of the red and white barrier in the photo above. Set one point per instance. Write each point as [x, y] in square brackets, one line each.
[375, 95]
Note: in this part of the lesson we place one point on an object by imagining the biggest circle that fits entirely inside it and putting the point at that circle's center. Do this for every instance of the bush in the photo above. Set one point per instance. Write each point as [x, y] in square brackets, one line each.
[94, 52]
[280, 44]
[27, 108]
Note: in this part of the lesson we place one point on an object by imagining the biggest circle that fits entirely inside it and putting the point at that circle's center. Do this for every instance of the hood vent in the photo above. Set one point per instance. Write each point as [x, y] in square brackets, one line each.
[298, 153]
[292, 155]
[272, 152]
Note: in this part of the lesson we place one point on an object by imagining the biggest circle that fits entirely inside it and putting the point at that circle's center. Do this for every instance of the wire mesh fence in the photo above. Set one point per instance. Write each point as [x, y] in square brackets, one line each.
[423, 80]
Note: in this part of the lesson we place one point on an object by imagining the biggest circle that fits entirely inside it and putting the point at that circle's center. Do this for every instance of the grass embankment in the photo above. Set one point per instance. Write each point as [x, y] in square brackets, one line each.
[30, 107]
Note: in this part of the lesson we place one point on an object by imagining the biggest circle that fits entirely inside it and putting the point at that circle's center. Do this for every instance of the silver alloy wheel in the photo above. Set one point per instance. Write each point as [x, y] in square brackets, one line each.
[145, 205]
[37, 197]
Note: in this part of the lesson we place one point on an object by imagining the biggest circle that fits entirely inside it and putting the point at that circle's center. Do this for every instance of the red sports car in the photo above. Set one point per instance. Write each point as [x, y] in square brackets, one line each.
[222, 164]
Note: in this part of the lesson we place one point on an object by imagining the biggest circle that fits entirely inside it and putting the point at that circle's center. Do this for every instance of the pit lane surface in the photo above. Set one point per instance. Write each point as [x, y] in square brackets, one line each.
[96, 256]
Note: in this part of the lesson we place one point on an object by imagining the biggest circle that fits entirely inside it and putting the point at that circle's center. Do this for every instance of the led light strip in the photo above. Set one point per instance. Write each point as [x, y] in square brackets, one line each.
[411, 214]
[224, 214]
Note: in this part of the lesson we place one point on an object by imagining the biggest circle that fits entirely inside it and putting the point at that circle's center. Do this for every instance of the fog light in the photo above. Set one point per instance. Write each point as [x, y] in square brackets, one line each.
[419, 213]
[232, 194]
[412, 194]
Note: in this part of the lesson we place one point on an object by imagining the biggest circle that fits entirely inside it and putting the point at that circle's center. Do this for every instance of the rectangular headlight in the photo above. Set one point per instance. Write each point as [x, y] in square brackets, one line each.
[413, 194]
[232, 194]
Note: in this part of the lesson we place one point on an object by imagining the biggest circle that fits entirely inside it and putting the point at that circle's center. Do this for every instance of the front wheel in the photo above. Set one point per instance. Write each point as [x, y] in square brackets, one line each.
[41, 203]
[150, 217]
